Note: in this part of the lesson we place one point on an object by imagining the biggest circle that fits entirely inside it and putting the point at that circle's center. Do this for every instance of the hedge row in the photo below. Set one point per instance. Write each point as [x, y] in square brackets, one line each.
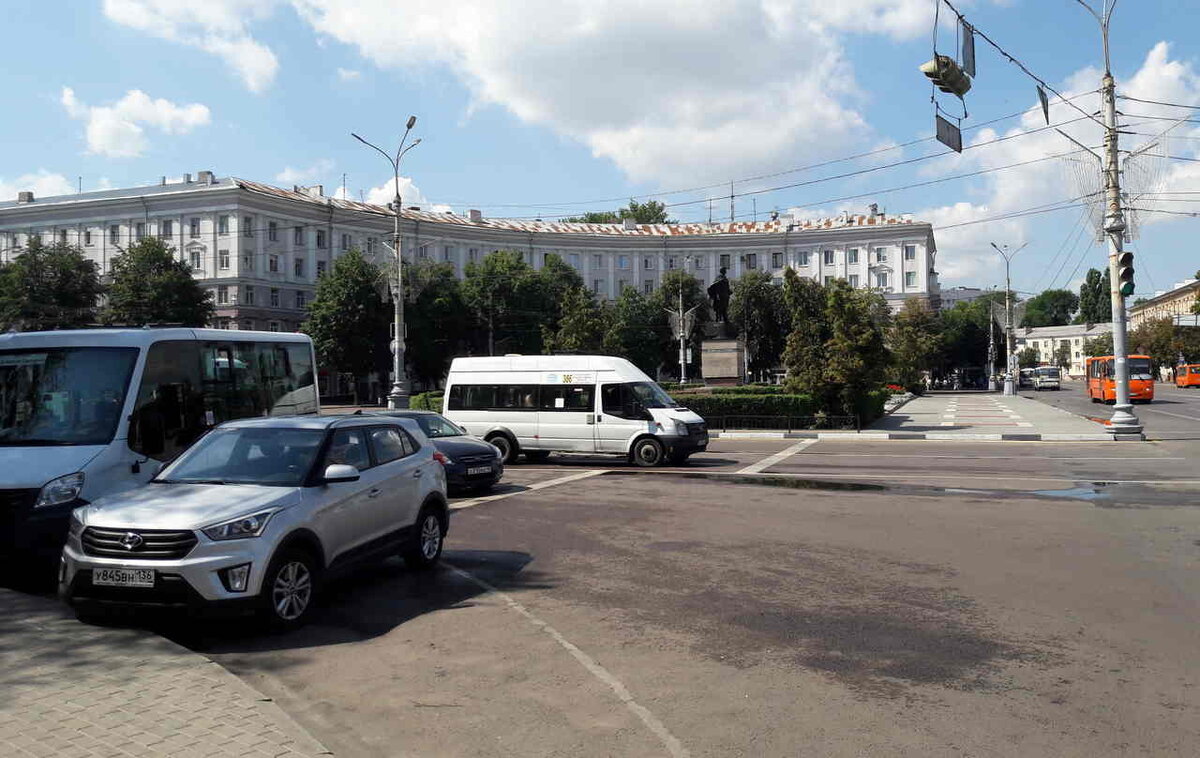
[711, 406]
[426, 401]
[749, 389]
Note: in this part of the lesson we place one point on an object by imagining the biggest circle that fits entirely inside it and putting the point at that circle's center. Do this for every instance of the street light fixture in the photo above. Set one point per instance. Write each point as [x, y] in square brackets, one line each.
[398, 397]
[1009, 346]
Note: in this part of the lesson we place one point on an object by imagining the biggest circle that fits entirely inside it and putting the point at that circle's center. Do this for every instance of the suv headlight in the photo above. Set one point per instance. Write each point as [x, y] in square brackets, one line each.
[239, 528]
[61, 490]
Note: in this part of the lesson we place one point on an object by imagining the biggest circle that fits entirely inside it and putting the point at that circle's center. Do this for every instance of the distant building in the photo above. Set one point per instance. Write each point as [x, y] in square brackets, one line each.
[1046, 340]
[1177, 301]
[954, 295]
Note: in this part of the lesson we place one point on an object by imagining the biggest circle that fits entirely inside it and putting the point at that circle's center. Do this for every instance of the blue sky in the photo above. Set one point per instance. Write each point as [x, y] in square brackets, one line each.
[540, 108]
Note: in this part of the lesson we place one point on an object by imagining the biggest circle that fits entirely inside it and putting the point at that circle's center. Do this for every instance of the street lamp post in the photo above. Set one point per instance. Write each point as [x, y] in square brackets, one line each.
[398, 397]
[1009, 346]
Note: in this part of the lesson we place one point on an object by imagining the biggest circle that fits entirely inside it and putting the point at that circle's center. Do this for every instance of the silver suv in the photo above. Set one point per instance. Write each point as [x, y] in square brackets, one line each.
[257, 513]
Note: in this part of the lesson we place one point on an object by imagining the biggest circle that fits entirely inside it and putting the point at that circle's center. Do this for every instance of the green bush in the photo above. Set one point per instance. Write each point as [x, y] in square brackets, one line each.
[870, 405]
[677, 387]
[749, 389]
[750, 405]
[426, 401]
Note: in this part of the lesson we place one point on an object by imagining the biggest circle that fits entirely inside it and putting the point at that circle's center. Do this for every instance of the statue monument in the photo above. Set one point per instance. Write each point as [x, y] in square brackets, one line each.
[722, 360]
[718, 294]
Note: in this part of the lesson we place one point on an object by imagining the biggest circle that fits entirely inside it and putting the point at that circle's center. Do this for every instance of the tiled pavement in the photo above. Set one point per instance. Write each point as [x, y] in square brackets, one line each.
[69, 689]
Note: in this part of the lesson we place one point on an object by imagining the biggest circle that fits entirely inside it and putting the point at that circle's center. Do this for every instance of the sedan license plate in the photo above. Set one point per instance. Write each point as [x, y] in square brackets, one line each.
[479, 470]
[122, 577]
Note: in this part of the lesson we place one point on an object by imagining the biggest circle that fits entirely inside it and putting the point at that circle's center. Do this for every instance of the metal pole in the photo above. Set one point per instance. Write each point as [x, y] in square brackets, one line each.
[682, 344]
[1009, 362]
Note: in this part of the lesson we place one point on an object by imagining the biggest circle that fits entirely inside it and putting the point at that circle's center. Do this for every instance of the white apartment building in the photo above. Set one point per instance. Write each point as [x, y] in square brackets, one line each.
[1046, 339]
[259, 249]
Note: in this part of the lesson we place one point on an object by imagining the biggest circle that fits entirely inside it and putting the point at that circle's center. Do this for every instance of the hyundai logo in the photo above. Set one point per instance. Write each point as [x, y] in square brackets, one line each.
[132, 541]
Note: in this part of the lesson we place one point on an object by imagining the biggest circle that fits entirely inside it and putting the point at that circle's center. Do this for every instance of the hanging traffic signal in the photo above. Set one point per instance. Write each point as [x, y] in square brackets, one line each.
[1125, 272]
[947, 75]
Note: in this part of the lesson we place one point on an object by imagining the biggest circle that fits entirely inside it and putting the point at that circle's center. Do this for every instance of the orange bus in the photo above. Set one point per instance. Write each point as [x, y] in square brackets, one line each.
[1187, 375]
[1102, 385]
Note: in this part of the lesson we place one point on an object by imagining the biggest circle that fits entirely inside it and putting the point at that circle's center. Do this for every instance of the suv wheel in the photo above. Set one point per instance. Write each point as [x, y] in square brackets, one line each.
[288, 590]
[424, 548]
[647, 452]
[508, 448]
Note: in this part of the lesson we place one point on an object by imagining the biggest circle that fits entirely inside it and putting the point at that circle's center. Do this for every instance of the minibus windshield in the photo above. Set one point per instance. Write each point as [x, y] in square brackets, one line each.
[650, 395]
[63, 395]
[1139, 368]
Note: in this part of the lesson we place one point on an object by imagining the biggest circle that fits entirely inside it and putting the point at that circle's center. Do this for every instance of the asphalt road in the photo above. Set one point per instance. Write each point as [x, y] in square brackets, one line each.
[718, 611]
[1174, 414]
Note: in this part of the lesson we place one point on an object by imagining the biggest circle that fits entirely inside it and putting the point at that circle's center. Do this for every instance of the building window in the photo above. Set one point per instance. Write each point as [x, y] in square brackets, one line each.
[298, 267]
[776, 260]
[881, 280]
[622, 261]
[447, 253]
[910, 279]
[573, 260]
[298, 236]
[802, 258]
[370, 245]
[272, 231]
[852, 256]
[300, 300]
[854, 280]
[596, 283]
[881, 255]
[472, 255]
[345, 241]
[166, 228]
[828, 280]
[222, 295]
[247, 226]
[751, 260]
[725, 260]
[196, 260]
[248, 296]
[62, 236]
[195, 228]
[647, 263]
[139, 230]
[910, 252]
[247, 262]
[699, 261]
[421, 251]
[320, 239]
[321, 265]
[648, 287]
[223, 224]
[273, 264]
[87, 237]
[114, 234]
[274, 298]
[828, 256]
[272, 326]
[597, 260]
[621, 285]
[223, 260]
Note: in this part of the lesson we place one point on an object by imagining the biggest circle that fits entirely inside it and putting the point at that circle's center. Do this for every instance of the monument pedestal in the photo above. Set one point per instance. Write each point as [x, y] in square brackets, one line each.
[722, 361]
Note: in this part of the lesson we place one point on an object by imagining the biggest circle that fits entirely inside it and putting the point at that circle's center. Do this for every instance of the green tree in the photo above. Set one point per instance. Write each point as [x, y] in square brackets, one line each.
[857, 357]
[1027, 358]
[1095, 299]
[649, 212]
[914, 341]
[582, 324]
[48, 287]
[666, 298]
[509, 300]
[1062, 355]
[1098, 346]
[436, 317]
[757, 311]
[1050, 308]
[1158, 338]
[348, 319]
[964, 335]
[151, 286]
[633, 331]
[804, 351]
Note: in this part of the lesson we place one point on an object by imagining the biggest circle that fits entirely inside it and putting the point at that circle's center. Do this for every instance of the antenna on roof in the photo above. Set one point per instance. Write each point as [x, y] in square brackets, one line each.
[80, 185]
[344, 197]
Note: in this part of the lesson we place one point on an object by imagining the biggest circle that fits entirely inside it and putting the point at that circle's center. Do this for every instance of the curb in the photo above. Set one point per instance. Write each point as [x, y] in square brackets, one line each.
[939, 436]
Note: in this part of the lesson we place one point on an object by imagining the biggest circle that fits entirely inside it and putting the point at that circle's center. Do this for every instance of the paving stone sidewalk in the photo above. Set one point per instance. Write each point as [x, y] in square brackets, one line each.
[70, 689]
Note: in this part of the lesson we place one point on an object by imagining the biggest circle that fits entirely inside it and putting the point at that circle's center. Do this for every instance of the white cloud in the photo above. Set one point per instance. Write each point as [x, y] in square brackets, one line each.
[308, 175]
[348, 75]
[117, 130]
[385, 193]
[41, 182]
[220, 27]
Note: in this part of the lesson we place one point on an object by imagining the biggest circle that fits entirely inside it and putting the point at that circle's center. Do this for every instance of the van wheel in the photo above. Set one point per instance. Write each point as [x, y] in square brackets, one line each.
[424, 548]
[507, 447]
[288, 590]
[647, 452]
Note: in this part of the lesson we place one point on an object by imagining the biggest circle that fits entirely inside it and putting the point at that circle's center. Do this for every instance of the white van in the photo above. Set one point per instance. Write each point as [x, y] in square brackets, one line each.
[570, 403]
[93, 412]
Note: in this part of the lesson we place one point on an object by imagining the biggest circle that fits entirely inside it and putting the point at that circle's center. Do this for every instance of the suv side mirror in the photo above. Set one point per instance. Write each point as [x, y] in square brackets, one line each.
[340, 472]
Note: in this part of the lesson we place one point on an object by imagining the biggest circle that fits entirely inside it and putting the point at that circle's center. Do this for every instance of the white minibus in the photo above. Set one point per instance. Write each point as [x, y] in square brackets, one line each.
[536, 405]
[1046, 378]
[93, 412]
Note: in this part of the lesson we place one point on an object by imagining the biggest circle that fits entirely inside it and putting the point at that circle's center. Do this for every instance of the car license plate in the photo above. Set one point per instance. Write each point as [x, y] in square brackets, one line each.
[479, 470]
[122, 577]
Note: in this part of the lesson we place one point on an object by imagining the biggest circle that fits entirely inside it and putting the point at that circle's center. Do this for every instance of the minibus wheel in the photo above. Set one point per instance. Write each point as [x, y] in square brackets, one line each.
[505, 444]
[647, 452]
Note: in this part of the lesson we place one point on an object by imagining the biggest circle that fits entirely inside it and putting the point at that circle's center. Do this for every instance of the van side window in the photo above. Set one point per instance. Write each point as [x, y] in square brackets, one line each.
[565, 397]
[169, 414]
[618, 400]
[483, 397]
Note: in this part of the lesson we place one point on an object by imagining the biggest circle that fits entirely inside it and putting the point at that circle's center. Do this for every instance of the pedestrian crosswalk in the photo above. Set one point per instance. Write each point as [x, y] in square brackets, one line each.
[981, 411]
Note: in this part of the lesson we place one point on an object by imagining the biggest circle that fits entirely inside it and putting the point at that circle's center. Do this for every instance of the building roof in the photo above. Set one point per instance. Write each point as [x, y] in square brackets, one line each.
[776, 226]
[1181, 288]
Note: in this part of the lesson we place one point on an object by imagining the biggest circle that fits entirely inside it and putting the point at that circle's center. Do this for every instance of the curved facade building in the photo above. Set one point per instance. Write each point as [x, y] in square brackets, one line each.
[258, 249]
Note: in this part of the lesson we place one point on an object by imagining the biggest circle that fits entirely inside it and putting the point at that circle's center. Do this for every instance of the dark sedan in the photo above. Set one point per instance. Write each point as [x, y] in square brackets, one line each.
[471, 463]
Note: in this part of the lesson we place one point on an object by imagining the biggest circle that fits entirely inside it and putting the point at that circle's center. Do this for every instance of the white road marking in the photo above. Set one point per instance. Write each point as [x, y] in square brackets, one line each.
[1168, 413]
[849, 476]
[535, 486]
[674, 747]
[984, 457]
[771, 460]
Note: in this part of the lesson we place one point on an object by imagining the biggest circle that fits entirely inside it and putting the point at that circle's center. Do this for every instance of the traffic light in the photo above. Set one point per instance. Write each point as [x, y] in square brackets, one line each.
[947, 75]
[1125, 272]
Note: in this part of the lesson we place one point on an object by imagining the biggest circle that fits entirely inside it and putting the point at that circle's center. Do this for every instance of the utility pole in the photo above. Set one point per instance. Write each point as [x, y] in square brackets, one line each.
[398, 397]
[683, 325]
[731, 202]
[1010, 359]
[991, 355]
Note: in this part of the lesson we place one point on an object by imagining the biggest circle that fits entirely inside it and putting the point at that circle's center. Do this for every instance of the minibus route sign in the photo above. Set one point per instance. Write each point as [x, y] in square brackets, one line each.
[571, 378]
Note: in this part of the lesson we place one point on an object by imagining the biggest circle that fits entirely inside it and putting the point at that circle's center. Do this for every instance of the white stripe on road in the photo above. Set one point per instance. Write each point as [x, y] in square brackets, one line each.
[1168, 413]
[536, 486]
[771, 460]
[674, 747]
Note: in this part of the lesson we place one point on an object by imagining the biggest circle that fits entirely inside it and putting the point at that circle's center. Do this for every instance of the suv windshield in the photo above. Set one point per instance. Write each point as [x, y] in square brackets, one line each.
[273, 457]
[650, 395]
[63, 395]
[437, 426]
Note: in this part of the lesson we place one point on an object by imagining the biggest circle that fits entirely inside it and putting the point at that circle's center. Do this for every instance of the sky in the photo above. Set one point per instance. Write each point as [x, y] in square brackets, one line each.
[546, 108]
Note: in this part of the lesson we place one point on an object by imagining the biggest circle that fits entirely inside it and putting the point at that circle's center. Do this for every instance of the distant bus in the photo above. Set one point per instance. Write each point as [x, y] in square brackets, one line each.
[91, 412]
[1187, 375]
[1047, 378]
[1101, 379]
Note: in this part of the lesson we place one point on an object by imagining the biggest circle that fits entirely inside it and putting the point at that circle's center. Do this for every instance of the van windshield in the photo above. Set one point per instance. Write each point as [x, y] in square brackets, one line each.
[1048, 372]
[650, 395]
[63, 395]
